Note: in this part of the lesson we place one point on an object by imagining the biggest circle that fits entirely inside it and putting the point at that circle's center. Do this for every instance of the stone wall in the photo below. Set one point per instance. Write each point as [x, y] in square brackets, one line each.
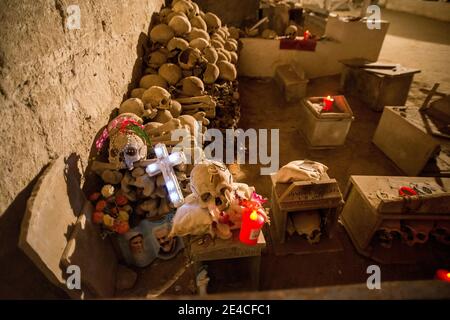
[439, 10]
[57, 89]
[232, 12]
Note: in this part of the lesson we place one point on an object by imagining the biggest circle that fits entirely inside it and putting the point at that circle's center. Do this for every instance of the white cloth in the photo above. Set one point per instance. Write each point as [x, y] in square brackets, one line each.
[300, 170]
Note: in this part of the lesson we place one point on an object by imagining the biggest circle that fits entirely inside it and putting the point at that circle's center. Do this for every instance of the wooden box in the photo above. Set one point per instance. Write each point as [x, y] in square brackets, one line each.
[402, 136]
[227, 249]
[302, 196]
[291, 80]
[372, 200]
[377, 87]
[325, 129]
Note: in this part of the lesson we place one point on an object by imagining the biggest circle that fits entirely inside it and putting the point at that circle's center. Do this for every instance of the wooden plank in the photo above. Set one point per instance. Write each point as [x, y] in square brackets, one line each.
[430, 95]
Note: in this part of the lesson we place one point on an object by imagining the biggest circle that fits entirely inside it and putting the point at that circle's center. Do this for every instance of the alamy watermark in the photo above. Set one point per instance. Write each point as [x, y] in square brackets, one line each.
[73, 280]
[373, 17]
[235, 146]
[374, 280]
[73, 20]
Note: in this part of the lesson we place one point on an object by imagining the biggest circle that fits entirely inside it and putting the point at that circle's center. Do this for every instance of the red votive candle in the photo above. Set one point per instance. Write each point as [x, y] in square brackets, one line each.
[444, 275]
[252, 223]
[306, 35]
[328, 103]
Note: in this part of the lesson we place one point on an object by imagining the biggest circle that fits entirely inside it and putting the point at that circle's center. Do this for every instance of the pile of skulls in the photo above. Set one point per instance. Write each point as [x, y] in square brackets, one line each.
[412, 232]
[189, 53]
[190, 68]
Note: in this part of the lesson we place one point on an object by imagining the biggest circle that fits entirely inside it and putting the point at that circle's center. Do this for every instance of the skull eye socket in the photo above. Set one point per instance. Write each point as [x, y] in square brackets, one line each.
[130, 152]
[163, 101]
[206, 197]
[224, 190]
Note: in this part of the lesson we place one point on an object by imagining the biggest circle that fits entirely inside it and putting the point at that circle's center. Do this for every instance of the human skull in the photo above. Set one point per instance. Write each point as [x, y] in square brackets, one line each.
[184, 6]
[157, 97]
[199, 23]
[218, 37]
[212, 21]
[234, 32]
[180, 25]
[189, 58]
[210, 54]
[136, 106]
[307, 223]
[212, 184]
[230, 45]
[216, 43]
[192, 86]
[176, 45]
[151, 80]
[199, 43]
[157, 58]
[227, 70]
[161, 33]
[226, 53]
[234, 58]
[196, 9]
[170, 72]
[291, 31]
[126, 148]
[197, 33]
[137, 93]
[164, 13]
[211, 73]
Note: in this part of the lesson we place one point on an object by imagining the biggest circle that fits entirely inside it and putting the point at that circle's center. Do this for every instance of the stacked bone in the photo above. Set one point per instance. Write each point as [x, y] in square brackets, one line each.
[189, 53]
[412, 232]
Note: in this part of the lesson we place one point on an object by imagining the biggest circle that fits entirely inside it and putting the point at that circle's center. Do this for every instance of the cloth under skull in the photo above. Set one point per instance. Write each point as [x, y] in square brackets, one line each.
[212, 183]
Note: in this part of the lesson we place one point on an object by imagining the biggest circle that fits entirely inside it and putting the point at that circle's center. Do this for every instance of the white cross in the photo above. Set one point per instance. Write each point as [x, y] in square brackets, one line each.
[164, 163]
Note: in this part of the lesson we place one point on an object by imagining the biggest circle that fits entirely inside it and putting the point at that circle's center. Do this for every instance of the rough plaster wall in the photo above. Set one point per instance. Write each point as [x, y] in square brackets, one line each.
[58, 87]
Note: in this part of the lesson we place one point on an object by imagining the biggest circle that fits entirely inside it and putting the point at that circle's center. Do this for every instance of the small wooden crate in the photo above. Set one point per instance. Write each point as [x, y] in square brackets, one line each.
[291, 80]
[228, 249]
[303, 196]
[377, 87]
[403, 137]
[364, 211]
[327, 129]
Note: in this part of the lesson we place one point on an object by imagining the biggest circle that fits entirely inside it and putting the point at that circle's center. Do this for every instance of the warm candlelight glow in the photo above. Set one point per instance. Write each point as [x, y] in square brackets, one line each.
[306, 35]
[328, 103]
